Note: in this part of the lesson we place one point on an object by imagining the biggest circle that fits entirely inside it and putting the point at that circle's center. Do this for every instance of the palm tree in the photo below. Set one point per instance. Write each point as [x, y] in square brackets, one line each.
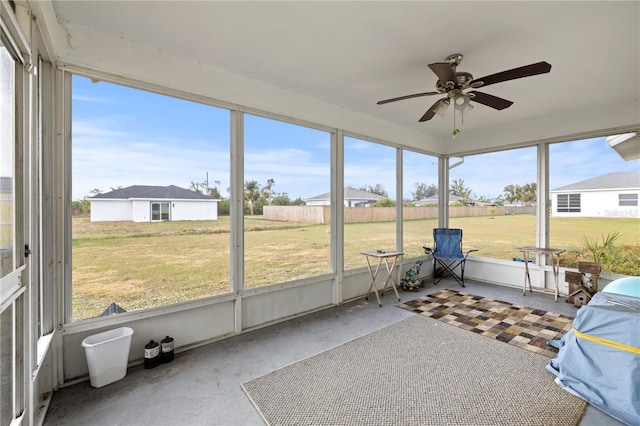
[251, 193]
[511, 193]
[529, 195]
[458, 188]
[267, 190]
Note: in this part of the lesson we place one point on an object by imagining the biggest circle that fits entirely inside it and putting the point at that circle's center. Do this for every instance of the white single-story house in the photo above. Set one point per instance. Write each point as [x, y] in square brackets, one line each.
[352, 198]
[610, 195]
[140, 203]
[433, 200]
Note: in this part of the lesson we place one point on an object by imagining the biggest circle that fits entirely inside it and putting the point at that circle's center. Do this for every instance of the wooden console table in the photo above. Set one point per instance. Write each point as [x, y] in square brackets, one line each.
[555, 264]
[386, 256]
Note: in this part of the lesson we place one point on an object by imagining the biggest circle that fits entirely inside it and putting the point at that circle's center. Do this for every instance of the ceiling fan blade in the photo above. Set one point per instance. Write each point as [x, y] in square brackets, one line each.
[444, 71]
[400, 98]
[526, 71]
[431, 112]
[490, 100]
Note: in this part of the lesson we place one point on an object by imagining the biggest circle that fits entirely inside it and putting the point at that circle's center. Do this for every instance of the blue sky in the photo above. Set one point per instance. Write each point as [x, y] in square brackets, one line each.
[124, 137]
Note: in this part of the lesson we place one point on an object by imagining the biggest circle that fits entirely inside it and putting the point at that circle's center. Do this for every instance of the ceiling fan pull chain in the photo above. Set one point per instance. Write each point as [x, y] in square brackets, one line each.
[456, 131]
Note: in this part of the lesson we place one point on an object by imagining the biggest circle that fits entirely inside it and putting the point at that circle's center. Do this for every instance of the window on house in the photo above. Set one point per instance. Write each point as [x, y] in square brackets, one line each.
[160, 211]
[568, 203]
[628, 200]
[146, 146]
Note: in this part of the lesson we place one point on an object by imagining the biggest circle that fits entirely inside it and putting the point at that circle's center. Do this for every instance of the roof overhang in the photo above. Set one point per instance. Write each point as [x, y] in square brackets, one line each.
[626, 145]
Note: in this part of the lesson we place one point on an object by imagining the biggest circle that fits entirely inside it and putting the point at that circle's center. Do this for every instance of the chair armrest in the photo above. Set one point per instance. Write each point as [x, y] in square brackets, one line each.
[467, 254]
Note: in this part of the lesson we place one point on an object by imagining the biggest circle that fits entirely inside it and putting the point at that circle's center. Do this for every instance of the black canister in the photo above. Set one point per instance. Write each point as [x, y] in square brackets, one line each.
[166, 350]
[151, 354]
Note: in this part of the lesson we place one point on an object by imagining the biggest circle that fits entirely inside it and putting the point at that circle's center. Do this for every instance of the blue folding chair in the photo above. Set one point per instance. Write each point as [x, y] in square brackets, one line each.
[447, 254]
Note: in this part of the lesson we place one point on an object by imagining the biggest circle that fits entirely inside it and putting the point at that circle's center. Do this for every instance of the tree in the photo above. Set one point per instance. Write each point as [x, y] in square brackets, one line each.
[459, 189]
[511, 193]
[251, 193]
[424, 191]
[81, 206]
[529, 193]
[267, 190]
[377, 189]
[204, 188]
[299, 202]
[196, 186]
[281, 199]
[215, 192]
[526, 193]
[385, 202]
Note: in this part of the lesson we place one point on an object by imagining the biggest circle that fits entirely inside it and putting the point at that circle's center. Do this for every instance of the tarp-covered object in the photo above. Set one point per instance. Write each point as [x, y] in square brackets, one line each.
[599, 360]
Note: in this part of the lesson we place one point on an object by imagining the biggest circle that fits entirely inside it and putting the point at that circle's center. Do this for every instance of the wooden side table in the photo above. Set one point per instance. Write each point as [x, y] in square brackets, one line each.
[555, 264]
[386, 256]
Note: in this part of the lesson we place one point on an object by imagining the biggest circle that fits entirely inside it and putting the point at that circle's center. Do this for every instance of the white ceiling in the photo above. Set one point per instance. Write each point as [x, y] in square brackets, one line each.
[330, 62]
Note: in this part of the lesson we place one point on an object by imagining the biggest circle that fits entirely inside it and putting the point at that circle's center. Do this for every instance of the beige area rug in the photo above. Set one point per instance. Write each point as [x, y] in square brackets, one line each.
[418, 371]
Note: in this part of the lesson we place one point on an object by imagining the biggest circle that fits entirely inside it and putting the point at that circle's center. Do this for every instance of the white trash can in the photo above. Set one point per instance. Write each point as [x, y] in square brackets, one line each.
[107, 355]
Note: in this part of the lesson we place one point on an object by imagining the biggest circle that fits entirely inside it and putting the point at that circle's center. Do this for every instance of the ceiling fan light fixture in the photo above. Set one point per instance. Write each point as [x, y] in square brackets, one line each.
[442, 107]
[461, 102]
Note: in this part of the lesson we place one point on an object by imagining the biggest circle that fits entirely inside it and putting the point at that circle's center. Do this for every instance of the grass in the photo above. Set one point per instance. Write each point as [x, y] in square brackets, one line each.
[141, 265]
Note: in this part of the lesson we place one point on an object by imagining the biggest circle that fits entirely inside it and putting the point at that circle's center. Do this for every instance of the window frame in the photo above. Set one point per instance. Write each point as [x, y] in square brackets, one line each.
[160, 211]
[17, 341]
[569, 204]
[628, 200]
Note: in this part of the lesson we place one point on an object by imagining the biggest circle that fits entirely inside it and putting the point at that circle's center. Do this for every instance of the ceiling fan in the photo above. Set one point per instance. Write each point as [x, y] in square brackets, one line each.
[453, 84]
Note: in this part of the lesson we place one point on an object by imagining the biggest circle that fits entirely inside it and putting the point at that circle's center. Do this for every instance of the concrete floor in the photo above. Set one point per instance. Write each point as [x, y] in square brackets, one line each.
[202, 386]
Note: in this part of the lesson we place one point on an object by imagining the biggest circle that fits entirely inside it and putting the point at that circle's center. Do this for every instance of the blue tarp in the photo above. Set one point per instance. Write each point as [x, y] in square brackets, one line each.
[602, 373]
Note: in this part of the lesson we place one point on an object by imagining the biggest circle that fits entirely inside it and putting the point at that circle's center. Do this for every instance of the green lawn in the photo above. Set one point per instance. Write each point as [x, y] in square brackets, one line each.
[140, 265]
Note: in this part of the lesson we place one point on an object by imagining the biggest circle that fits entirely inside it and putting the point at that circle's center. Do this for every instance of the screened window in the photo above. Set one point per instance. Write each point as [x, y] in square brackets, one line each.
[493, 198]
[369, 199]
[135, 149]
[287, 175]
[13, 297]
[590, 224]
[8, 327]
[628, 200]
[568, 203]
[420, 208]
[7, 108]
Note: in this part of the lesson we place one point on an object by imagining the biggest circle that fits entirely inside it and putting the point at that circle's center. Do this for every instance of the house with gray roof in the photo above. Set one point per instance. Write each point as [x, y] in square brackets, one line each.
[610, 195]
[141, 203]
[352, 198]
[433, 201]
